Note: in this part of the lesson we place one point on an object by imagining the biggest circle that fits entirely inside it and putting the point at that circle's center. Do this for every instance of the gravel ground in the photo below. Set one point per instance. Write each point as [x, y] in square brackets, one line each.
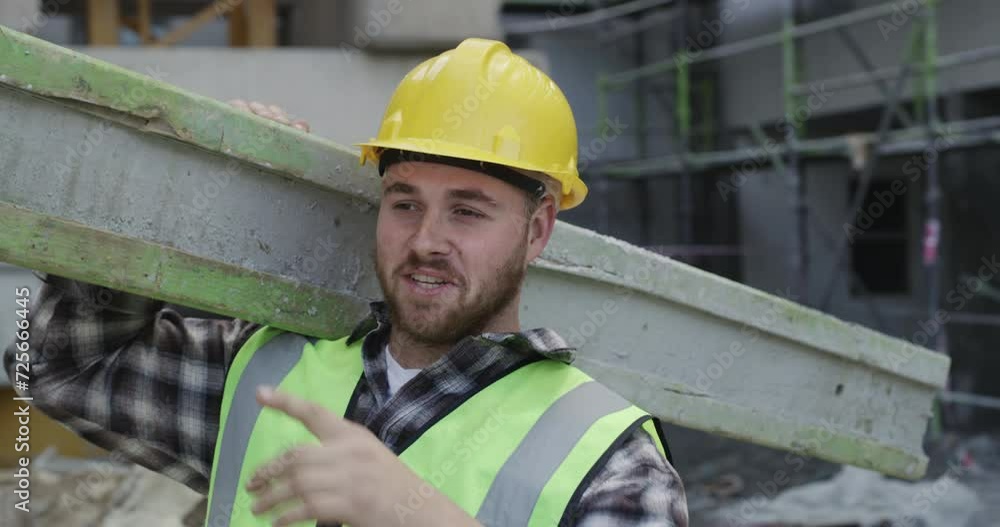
[719, 472]
[979, 455]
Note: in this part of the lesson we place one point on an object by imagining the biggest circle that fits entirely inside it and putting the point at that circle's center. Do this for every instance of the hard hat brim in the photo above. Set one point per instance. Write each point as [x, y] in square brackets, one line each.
[574, 190]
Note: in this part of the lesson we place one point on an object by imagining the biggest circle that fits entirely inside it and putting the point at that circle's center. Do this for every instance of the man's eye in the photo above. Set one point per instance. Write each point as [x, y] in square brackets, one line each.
[469, 213]
[404, 206]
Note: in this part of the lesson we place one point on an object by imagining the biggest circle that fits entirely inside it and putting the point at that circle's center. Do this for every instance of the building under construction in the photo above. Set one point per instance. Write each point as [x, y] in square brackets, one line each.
[836, 154]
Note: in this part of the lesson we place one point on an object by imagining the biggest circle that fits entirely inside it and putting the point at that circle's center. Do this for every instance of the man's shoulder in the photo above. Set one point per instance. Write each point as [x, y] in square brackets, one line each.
[636, 481]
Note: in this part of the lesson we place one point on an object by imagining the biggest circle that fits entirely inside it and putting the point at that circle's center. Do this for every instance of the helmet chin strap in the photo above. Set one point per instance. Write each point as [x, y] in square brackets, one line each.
[507, 174]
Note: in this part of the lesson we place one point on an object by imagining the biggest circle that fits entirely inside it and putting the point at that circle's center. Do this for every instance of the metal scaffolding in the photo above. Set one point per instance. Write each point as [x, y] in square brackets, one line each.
[920, 132]
[789, 156]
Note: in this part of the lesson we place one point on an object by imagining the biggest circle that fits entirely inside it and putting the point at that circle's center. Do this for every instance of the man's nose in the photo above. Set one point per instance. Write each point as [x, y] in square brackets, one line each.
[430, 239]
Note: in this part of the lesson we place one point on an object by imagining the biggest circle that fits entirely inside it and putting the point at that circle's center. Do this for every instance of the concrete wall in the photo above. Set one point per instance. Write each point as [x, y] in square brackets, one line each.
[18, 13]
[343, 95]
[391, 26]
[419, 24]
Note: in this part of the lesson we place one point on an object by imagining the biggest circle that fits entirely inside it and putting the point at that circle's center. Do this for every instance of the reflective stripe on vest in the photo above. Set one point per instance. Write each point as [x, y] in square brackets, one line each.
[263, 359]
[517, 487]
[267, 368]
[515, 453]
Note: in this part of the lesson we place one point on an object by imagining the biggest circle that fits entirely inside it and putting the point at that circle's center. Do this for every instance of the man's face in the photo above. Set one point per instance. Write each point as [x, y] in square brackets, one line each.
[452, 248]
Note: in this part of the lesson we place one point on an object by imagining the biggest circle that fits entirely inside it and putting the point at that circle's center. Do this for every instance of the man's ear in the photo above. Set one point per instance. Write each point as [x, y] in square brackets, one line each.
[540, 226]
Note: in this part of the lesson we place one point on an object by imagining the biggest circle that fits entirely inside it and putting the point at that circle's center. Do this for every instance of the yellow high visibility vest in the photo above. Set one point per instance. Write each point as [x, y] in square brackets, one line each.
[517, 452]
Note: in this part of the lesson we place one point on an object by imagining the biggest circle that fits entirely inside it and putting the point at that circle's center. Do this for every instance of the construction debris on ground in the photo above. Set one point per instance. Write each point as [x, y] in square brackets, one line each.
[732, 484]
[70, 492]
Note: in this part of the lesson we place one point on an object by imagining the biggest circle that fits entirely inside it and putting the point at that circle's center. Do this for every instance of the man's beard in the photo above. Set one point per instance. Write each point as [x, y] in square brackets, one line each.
[464, 317]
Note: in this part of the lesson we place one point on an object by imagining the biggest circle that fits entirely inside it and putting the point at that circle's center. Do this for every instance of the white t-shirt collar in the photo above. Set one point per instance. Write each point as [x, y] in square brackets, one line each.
[396, 374]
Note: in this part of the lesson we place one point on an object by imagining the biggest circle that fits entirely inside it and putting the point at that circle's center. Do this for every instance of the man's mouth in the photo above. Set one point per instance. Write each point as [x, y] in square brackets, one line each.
[428, 282]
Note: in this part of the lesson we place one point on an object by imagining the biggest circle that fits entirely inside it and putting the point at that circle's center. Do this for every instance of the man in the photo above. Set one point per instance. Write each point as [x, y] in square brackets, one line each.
[438, 409]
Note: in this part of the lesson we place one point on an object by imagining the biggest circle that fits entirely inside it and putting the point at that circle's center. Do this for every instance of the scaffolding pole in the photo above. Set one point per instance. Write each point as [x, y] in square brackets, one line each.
[932, 229]
[754, 43]
[857, 202]
[824, 236]
[971, 399]
[794, 179]
[683, 75]
[644, 197]
[970, 133]
[695, 161]
[603, 14]
[864, 78]
[859, 54]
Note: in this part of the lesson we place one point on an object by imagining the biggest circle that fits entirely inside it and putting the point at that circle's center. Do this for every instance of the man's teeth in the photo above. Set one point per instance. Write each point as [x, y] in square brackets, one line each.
[426, 281]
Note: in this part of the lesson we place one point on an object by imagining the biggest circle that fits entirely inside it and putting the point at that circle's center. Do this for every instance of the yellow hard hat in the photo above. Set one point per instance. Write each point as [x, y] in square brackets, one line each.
[481, 103]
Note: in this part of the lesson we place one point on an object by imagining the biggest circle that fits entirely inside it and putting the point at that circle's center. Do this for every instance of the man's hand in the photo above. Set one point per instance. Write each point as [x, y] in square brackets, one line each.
[271, 112]
[350, 477]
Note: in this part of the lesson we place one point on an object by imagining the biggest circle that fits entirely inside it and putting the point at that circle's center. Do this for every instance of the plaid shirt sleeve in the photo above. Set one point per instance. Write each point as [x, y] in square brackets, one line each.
[130, 375]
[637, 487]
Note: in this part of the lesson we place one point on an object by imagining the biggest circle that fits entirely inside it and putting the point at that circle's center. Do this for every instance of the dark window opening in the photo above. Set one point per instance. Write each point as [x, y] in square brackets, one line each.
[880, 248]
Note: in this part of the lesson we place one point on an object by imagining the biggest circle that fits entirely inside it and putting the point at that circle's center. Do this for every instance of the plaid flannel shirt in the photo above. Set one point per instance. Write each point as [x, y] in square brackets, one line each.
[139, 379]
